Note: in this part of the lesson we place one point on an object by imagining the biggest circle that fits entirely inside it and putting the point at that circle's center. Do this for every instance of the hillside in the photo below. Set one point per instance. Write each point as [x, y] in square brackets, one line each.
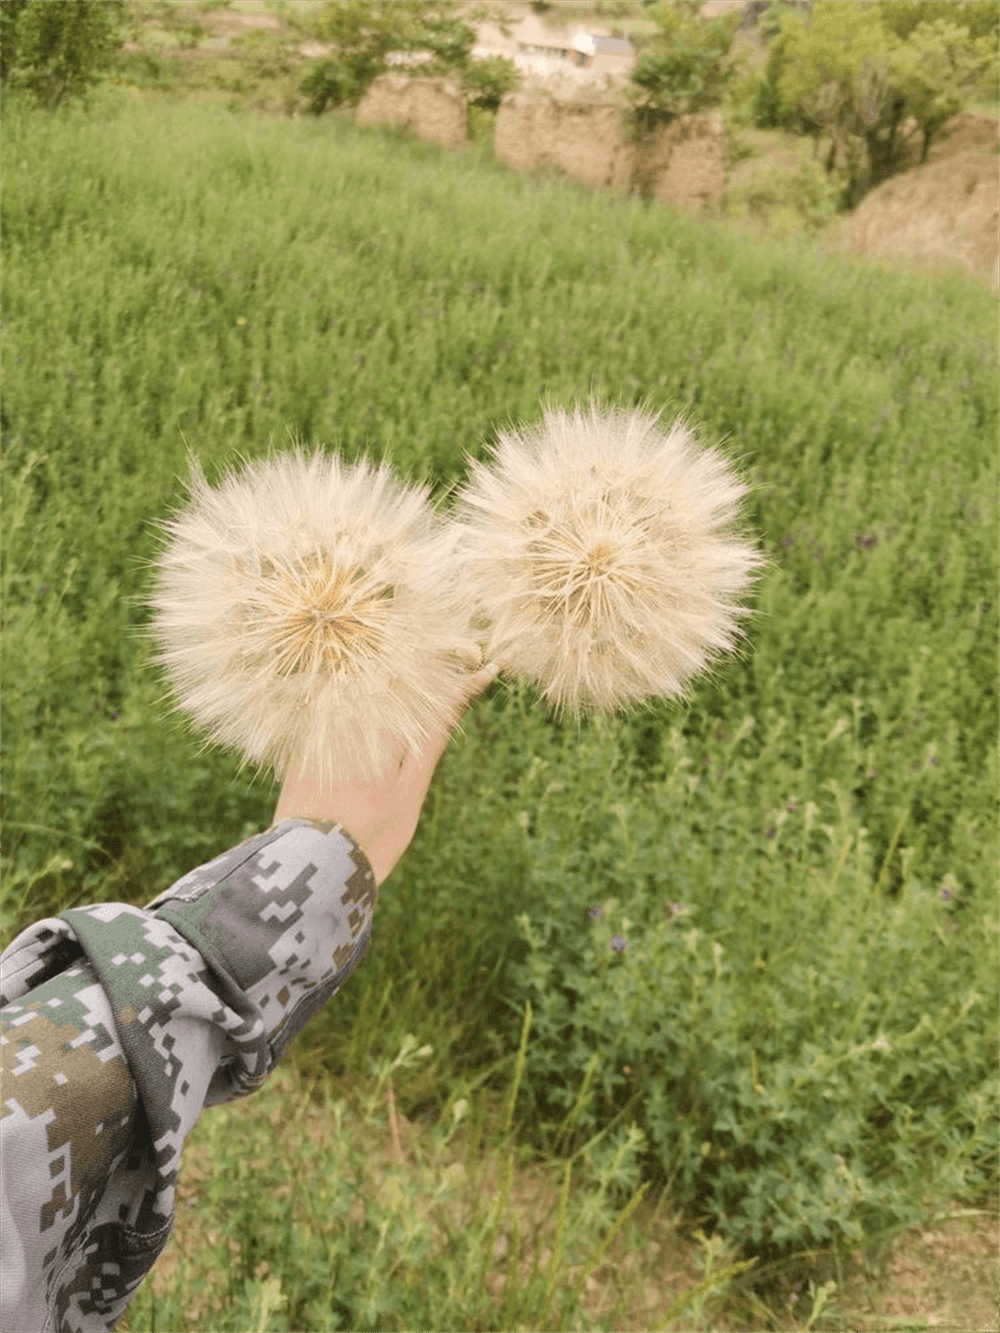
[719, 973]
[249, 53]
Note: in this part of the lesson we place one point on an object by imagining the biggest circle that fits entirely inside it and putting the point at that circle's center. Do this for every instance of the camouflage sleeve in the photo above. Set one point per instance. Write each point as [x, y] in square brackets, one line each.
[119, 1024]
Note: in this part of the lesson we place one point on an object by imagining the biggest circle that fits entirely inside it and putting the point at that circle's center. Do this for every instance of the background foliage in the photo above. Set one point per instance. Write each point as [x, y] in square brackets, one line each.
[757, 930]
[686, 67]
[868, 78]
[363, 35]
[58, 52]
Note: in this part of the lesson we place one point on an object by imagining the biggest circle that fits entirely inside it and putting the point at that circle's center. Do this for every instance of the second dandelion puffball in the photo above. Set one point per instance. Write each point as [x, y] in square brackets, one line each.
[307, 609]
[602, 556]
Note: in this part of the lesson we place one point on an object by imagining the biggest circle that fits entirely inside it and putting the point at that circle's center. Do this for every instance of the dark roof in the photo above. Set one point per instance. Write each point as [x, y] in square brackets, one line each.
[612, 46]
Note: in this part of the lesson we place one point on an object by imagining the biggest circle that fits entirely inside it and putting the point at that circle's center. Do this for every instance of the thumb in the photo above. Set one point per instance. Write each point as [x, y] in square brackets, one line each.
[471, 687]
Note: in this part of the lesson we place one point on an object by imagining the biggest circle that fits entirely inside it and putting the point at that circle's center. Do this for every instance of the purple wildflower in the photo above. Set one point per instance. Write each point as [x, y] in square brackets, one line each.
[946, 895]
[619, 943]
[596, 913]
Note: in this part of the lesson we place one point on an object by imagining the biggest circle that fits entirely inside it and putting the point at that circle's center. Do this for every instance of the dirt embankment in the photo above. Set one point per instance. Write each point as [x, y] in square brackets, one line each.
[944, 211]
[432, 109]
[682, 164]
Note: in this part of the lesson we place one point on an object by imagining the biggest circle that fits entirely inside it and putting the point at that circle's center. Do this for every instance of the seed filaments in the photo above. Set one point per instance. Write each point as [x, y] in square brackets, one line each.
[604, 556]
[325, 618]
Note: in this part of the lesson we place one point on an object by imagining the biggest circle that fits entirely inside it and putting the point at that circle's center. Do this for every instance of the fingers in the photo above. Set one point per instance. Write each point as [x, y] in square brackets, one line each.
[471, 687]
[479, 680]
[437, 741]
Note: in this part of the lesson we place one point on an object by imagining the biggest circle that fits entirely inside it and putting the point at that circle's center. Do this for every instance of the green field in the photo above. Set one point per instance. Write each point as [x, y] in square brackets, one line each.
[796, 1053]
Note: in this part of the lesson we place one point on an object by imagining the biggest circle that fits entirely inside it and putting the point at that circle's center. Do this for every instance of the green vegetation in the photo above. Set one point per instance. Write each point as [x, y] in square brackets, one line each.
[58, 52]
[441, 1229]
[868, 79]
[363, 35]
[794, 1049]
[688, 66]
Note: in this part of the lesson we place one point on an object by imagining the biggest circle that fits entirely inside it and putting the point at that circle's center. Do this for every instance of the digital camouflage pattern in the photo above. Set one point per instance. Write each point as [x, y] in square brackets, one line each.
[119, 1024]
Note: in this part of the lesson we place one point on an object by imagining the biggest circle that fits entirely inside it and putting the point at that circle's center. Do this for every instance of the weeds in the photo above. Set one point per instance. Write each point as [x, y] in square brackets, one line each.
[781, 1020]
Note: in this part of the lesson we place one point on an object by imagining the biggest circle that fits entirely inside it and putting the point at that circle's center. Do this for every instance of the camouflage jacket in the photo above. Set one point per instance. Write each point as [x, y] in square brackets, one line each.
[120, 1023]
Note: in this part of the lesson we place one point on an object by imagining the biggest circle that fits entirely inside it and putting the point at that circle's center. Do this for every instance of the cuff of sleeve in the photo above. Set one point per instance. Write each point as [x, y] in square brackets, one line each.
[282, 920]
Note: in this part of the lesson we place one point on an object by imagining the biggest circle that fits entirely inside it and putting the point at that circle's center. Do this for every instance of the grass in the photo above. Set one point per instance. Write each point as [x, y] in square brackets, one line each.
[373, 1221]
[186, 277]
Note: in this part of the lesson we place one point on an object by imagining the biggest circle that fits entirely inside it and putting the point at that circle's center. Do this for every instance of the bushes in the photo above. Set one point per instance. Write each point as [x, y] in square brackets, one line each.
[821, 809]
[797, 1085]
[364, 35]
[806, 198]
[685, 69]
[489, 80]
[845, 74]
[58, 51]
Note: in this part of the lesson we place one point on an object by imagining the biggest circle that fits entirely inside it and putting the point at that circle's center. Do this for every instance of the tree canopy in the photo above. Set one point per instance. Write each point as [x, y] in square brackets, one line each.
[363, 34]
[843, 71]
[58, 51]
[686, 67]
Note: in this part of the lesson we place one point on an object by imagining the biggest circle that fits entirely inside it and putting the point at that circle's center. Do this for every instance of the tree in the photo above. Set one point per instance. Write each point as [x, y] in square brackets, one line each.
[980, 18]
[845, 74]
[487, 81]
[937, 67]
[366, 32]
[363, 33]
[58, 51]
[686, 67]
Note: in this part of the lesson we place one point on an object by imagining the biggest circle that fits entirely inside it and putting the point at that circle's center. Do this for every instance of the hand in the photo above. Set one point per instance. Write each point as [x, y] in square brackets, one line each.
[381, 814]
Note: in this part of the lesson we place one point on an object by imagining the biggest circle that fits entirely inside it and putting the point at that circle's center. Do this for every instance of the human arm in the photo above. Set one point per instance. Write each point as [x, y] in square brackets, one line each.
[119, 1024]
[381, 814]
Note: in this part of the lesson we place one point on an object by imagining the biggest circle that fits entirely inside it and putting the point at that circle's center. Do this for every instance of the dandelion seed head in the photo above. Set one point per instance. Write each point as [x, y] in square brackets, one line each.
[308, 609]
[601, 556]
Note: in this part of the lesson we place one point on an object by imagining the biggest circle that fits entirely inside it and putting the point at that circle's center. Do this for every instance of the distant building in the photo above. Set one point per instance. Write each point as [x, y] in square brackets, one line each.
[534, 38]
[538, 49]
[602, 54]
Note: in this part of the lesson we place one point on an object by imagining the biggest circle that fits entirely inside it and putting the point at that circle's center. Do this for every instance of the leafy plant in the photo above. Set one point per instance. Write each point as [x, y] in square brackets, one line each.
[806, 198]
[979, 18]
[57, 52]
[844, 74]
[939, 66]
[686, 68]
[363, 35]
[343, 1228]
[488, 80]
[823, 805]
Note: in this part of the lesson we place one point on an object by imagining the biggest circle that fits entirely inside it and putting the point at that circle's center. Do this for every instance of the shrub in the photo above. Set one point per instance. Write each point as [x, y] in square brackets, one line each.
[844, 73]
[488, 81]
[801, 1087]
[363, 36]
[808, 197]
[686, 68]
[331, 83]
[58, 51]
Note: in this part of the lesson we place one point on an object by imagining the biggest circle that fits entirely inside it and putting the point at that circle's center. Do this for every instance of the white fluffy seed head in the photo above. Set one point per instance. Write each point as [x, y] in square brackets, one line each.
[601, 557]
[308, 609]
